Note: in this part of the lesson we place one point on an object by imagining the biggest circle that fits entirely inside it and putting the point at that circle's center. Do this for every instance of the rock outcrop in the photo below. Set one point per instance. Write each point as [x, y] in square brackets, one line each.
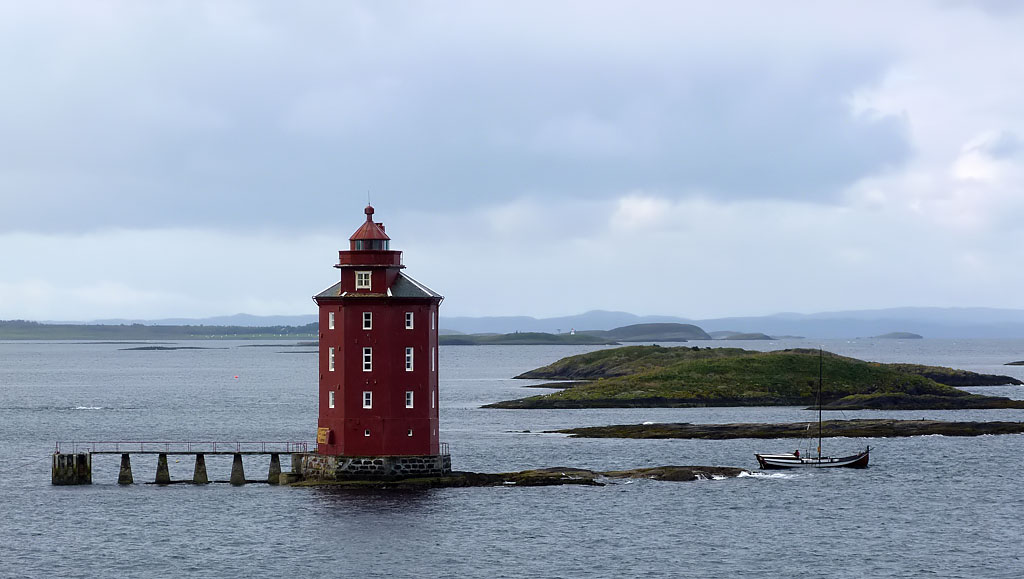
[861, 428]
[553, 476]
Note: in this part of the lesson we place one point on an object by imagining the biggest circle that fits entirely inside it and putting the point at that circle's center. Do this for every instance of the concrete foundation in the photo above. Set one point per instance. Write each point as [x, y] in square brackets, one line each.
[124, 476]
[237, 472]
[274, 475]
[163, 474]
[288, 478]
[323, 467]
[71, 469]
[76, 468]
[199, 474]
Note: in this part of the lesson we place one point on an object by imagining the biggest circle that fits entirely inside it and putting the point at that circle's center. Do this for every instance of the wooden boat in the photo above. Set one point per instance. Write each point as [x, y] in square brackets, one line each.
[794, 460]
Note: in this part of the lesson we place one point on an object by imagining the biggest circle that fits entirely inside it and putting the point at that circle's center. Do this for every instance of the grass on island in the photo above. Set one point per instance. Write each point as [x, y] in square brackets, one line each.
[615, 362]
[651, 376]
[956, 377]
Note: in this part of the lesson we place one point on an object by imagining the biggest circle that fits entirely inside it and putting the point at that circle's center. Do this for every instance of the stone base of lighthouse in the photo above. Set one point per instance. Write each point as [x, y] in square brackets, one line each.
[312, 466]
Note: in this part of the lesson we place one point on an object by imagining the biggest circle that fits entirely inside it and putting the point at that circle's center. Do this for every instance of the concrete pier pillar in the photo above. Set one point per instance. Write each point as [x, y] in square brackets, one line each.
[274, 476]
[124, 477]
[237, 472]
[163, 474]
[71, 469]
[199, 474]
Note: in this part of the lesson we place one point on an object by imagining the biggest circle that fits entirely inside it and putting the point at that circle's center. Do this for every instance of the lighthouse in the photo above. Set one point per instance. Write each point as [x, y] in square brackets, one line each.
[378, 365]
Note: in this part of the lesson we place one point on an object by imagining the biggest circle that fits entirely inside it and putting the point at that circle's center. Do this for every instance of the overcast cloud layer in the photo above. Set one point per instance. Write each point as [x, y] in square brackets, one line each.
[693, 159]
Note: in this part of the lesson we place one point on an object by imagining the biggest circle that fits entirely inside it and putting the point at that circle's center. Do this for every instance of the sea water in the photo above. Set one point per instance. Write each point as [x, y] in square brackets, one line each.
[933, 505]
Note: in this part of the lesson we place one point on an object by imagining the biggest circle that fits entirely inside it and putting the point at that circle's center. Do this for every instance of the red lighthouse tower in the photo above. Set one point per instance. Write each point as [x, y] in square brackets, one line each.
[378, 362]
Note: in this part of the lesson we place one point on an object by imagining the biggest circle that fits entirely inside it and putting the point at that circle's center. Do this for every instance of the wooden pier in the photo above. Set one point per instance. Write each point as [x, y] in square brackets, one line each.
[72, 461]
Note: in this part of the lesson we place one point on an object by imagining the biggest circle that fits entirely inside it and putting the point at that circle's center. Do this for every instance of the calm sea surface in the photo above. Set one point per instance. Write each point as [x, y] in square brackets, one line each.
[927, 506]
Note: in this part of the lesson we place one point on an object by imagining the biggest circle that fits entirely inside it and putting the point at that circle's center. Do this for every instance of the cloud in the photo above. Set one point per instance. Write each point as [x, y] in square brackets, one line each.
[642, 252]
[238, 114]
[192, 158]
[701, 258]
[994, 8]
[162, 273]
[977, 190]
[638, 212]
[996, 144]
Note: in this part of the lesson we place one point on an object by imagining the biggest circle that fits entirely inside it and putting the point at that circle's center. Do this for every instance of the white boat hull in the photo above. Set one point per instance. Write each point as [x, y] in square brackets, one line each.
[780, 461]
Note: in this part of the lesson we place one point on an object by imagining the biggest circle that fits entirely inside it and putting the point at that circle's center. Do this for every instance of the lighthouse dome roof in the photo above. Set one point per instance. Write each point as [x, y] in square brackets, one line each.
[369, 229]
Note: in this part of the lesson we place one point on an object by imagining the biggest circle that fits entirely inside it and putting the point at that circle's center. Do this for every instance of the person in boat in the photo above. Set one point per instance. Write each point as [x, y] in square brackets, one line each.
[796, 453]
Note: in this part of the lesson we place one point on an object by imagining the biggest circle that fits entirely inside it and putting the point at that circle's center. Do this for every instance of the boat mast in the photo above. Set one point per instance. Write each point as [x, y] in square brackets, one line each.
[820, 366]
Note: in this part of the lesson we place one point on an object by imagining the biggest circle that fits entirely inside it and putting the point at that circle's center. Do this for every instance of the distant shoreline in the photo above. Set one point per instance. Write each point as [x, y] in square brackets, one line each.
[23, 330]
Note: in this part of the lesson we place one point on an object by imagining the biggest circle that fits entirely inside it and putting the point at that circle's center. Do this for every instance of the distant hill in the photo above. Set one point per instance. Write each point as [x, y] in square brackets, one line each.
[925, 321]
[523, 339]
[24, 330]
[632, 333]
[243, 320]
[657, 332]
[592, 320]
[900, 336]
[931, 322]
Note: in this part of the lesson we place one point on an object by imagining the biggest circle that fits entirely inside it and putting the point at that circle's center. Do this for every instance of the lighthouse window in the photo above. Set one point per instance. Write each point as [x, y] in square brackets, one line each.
[433, 359]
[408, 398]
[431, 320]
[408, 320]
[410, 432]
[330, 399]
[362, 280]
[367, 320]
[330, 359]
[433, 399]
[370, 244]
[367, 359]
[408, 359]
[367, 399]
[366, 432]
[330, 320]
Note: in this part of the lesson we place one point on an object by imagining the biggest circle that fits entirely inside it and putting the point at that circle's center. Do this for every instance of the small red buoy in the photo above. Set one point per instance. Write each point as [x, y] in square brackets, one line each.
[236, 377]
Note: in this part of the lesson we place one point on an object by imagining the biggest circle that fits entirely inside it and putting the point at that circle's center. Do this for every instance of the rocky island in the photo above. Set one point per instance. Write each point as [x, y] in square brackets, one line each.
[748, 336]
[863, 428]
[653, 376]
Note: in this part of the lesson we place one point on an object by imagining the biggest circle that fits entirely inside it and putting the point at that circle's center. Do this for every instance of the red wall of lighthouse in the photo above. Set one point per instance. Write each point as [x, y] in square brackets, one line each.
[388, 425]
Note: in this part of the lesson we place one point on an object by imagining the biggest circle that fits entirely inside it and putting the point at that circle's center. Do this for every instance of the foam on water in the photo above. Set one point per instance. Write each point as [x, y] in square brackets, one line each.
[762, 474]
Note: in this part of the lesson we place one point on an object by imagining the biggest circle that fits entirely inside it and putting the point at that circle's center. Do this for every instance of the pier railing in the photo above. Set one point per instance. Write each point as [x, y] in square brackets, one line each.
[182, 447]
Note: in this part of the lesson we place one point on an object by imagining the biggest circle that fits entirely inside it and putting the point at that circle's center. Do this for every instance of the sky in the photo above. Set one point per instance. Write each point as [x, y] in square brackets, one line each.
[695, 159]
